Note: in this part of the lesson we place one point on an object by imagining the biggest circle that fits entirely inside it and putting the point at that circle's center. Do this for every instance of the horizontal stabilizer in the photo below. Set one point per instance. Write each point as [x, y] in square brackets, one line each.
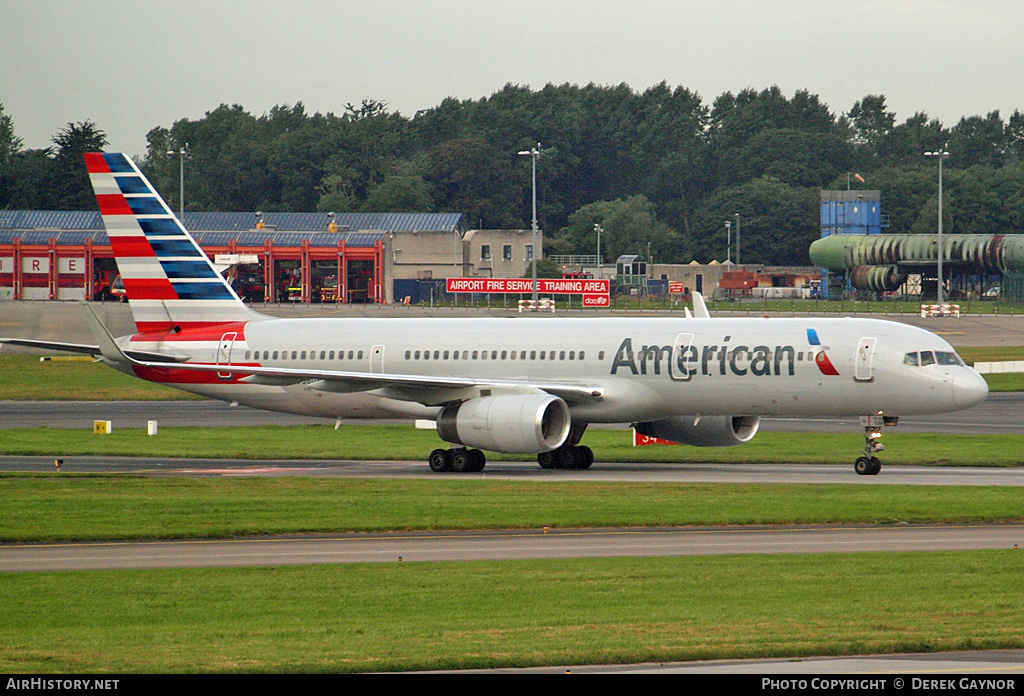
[80, 348]
[86, 349]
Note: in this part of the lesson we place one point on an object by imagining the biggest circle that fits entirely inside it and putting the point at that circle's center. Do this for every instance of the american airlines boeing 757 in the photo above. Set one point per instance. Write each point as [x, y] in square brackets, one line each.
[511, 385]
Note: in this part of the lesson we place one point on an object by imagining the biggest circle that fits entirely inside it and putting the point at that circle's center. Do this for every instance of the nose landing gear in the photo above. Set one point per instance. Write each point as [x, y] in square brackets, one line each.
[868, 464]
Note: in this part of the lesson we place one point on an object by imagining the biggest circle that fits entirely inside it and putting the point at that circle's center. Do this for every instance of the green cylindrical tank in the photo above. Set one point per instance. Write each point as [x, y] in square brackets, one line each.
[980, 253]
[877, 278]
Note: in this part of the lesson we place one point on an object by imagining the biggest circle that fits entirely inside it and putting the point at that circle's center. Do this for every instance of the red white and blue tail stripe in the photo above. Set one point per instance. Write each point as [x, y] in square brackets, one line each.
[170, 283]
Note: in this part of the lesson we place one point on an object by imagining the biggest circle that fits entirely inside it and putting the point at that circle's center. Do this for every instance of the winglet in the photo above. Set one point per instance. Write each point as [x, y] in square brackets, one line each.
[108, 346]
[700, 310]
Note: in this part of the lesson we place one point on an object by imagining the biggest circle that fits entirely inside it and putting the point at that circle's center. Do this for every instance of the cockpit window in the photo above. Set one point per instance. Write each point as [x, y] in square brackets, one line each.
[927, 357]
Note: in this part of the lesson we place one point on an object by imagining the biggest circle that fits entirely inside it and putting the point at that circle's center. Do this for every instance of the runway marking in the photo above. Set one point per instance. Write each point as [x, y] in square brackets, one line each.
[242, 471]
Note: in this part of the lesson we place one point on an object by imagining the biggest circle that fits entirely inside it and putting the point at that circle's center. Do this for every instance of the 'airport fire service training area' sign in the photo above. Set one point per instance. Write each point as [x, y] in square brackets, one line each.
[596, 293]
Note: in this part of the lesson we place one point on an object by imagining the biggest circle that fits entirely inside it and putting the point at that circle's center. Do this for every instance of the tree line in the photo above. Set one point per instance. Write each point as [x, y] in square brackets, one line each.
[658, 170]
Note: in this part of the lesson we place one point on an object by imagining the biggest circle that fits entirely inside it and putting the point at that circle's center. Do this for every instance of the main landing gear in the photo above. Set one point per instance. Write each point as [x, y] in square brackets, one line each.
[567, 457]
[571, 455]
[459, 460]
[868, 464]
[470, 461]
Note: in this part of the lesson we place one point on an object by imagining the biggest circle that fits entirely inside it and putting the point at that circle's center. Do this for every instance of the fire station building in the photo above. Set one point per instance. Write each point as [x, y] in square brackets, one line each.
[267, 257]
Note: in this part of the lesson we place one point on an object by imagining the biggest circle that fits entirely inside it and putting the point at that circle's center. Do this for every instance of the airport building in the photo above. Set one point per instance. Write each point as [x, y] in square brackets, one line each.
[268, 257]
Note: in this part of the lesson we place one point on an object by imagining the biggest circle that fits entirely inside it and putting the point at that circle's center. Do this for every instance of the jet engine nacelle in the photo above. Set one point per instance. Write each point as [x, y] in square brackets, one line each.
[705, 431]
[514, 423]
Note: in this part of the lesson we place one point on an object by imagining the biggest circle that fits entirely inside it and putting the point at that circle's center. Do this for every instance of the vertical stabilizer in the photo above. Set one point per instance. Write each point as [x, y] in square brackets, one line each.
[170, 283]
[700, 310]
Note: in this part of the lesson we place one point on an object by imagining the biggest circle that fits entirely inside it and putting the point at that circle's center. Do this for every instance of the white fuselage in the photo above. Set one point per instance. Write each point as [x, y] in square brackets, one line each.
[645, 368]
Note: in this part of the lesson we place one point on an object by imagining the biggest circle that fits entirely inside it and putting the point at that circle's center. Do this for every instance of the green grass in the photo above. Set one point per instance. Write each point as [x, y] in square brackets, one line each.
[973, 354]
[412, 616]
[380, 617]
[60, 507]
[27, 378]
[405, 442]
[1006, 382]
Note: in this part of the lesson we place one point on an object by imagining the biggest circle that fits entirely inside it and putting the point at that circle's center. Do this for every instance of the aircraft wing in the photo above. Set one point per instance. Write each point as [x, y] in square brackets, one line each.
[430, 390]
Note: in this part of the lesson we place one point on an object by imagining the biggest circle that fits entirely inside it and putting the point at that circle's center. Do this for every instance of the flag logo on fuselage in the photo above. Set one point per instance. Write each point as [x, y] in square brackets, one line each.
[821, 357]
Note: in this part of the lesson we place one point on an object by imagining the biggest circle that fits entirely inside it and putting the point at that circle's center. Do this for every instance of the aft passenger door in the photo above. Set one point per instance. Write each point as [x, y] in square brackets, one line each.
[863, 361]
[227, 342]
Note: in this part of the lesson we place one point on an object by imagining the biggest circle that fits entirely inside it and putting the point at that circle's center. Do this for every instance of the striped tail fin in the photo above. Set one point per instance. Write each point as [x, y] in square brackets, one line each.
[170, 283]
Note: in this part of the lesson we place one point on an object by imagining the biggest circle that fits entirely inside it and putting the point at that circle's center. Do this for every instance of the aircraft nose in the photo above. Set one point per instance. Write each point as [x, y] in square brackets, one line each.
[969, 389]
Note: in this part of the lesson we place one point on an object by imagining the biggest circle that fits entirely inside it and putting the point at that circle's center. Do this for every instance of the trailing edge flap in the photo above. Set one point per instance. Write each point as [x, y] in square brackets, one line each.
[418, 388]
[700, 310]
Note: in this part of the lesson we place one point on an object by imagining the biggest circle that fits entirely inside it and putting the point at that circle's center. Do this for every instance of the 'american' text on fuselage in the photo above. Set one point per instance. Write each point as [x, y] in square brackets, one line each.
[690, 360]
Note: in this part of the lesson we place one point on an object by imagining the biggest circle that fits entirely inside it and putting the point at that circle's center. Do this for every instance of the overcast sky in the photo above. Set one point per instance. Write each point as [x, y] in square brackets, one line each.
[132, 66]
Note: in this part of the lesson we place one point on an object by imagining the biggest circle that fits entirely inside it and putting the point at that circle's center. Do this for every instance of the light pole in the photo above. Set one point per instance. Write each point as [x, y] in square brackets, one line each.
[599, 230]
[941, 154]
[728, 241]
[182, 153]
[534, 153]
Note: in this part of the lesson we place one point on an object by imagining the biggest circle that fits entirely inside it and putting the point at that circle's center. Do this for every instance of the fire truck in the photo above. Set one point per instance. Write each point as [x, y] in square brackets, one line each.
[329, 289]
